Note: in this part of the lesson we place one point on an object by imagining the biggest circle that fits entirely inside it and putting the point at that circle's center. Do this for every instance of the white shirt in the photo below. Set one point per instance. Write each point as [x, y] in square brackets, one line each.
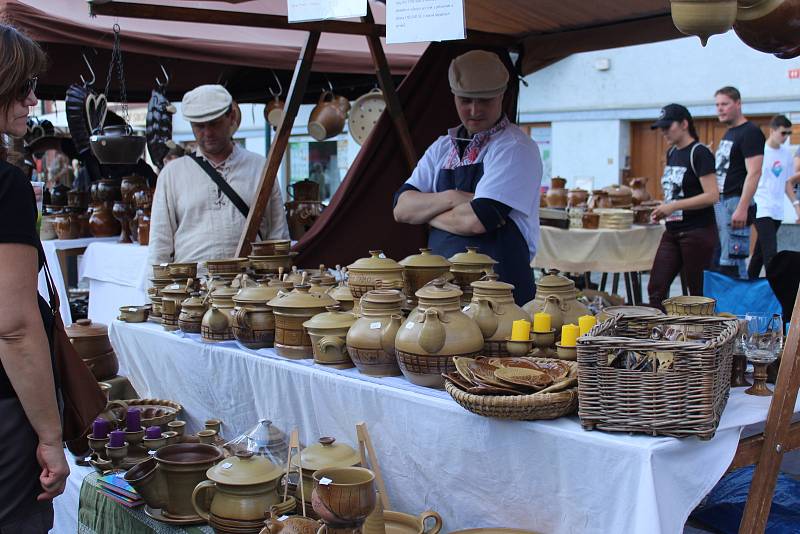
[512, 174]
[775, 171]
[192, 220]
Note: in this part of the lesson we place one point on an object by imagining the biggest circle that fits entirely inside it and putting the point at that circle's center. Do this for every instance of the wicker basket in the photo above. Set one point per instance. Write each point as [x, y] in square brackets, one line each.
[686, 400]
[689, 305]
[520, 407]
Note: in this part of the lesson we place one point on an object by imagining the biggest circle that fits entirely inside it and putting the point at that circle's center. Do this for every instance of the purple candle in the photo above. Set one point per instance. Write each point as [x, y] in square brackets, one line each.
[133, 420]
[152, 432]
[116, 438]
[100, 428]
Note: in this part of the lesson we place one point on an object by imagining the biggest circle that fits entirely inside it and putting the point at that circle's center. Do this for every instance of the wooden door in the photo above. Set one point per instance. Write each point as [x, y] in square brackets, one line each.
[649, 150]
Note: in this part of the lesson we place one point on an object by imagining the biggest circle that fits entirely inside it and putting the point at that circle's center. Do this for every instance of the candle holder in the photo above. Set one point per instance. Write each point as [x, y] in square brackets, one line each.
[214, 424]
[177, 426]
[518, 347]
[172, 437]
[98, 446]
[117, 455]
[566, 353]
[544, 343]
[739, 370]
[759, 387]
[153, 444]
[207, 436]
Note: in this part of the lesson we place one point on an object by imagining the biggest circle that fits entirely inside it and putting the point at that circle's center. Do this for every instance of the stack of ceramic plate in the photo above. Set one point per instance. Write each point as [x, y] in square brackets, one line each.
[615, 219]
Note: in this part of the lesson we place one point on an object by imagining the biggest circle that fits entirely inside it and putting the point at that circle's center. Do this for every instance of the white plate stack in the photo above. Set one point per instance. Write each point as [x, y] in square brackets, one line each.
[615, 219]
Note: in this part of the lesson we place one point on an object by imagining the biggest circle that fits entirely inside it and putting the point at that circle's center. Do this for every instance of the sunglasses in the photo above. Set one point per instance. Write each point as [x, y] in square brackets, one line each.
[26, 87]
[785, 133]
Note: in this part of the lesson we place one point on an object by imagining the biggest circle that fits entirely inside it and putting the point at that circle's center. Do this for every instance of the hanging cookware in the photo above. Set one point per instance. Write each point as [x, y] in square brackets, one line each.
[366, 111]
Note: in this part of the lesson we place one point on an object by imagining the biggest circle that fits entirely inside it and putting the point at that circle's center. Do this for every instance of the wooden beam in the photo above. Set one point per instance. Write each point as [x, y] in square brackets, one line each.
[776, 434]
[749, 449]
[297, 89]
[393, 106]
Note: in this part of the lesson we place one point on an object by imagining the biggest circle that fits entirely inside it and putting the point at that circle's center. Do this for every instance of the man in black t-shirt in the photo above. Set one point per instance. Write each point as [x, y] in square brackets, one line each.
[738, 165]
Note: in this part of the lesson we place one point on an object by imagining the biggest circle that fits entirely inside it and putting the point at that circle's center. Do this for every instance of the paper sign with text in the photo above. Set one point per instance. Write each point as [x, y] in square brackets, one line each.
[305, 10]
[413, 21]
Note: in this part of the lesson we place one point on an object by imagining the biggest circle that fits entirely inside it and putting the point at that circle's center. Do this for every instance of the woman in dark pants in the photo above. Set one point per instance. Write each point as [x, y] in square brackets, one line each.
[690, 191]
[33, 469]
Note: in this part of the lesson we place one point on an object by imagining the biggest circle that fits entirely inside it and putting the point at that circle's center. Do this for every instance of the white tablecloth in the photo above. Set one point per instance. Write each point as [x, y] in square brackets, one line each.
[607, 251]
[65, 506]
[50, 247]
[547, 476]
[117, 275]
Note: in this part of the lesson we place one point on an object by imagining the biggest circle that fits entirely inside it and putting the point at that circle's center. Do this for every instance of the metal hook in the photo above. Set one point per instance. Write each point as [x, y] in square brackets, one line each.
[280, 87]
[330, 85]
[91, 71]
[165, 76]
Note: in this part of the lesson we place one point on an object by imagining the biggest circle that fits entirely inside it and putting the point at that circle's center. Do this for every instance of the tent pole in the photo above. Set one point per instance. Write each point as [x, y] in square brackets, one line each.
[392, 100]
[297, 89]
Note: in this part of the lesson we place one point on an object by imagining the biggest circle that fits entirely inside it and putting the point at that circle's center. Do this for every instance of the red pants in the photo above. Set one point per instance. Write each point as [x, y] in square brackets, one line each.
[690, 253]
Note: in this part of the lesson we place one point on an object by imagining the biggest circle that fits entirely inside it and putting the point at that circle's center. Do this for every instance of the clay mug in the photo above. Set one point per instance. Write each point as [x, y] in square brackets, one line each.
[327, 118]
[273, 112]
[343, 495]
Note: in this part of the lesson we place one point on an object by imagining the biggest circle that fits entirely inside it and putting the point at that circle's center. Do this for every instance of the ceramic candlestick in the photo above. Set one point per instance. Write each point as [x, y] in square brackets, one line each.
[98, 446]
[518, 347]
[566, 353]
[207, 436]
[117, 455]
[544, 343]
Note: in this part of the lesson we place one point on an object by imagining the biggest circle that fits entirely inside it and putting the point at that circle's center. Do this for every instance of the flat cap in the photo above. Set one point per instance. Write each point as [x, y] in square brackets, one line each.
[205, 103]
[478, 74]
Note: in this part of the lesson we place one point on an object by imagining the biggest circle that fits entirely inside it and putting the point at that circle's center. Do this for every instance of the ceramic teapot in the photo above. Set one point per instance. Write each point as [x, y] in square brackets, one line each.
[328, 333]
[374, 272]
[291, 310]
[435, 332]
[493, 308]
[557, 194]
[216, 323]
[563, 307]
[327, 452]
[370, 341]
[419, 269]
[242, 488]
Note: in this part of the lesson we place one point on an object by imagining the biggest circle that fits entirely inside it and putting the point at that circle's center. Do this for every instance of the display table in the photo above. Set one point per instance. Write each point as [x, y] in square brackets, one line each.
[546, 476]
[56, 251]
[117, 275]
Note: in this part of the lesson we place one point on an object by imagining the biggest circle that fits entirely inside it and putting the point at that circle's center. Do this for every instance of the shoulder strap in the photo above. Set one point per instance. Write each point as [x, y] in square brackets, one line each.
[55, 305]
[691, 158]
[224, 186]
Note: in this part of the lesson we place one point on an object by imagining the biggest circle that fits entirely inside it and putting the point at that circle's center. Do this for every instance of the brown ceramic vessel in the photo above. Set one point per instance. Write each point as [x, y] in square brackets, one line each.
[370, 341]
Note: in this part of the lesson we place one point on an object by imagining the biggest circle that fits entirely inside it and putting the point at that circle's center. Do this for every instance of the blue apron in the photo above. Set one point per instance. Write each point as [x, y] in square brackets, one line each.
[505, 244]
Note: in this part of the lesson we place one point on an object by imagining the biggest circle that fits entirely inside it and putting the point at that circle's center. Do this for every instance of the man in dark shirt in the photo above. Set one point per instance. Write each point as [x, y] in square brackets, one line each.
[738, 165]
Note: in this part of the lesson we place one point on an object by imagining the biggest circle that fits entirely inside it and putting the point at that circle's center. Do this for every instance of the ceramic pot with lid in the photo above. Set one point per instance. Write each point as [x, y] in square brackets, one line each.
[172, 297]
[495, 311]
[435, 332]
[557, 194]
[322, 455]
[621, 195]
[370, 341]
[600, 199]
[558, 294]
[91, 342]
[241, 488]
[291, 310]
[468, 267]
[102, 222]
[639, 190]
[328, 333]
[322, 281]
[341, 293]
[419, 269]
[108, 190]
[216, 323]
[374, 272]
[253, 323]
[67, 225]
[577, 197]
[47, 230]
[191, 314]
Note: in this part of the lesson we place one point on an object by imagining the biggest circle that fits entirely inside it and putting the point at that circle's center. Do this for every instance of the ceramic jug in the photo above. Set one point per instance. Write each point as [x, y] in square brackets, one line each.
[328, 117]
[435, 332]
[273, 112]
[493, 309]
[217, 321]
[557, 194]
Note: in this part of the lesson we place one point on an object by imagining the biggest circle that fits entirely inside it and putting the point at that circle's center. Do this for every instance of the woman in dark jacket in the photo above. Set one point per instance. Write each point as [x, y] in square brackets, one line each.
[33, 468]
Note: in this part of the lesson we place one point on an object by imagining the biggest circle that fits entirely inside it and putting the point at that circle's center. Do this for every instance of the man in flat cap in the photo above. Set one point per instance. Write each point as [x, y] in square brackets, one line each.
[202, 199]
[479, 184]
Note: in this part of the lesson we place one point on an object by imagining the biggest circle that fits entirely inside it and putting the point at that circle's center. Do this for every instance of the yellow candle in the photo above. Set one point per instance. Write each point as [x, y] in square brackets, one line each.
[520, 330]
[569, 335]
[541, 322]
[586, 323]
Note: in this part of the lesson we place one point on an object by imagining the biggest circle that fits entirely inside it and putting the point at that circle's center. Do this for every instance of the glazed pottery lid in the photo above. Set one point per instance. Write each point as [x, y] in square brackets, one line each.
[333, 318]
[176, 288]
[425, 259]
[224, 292]
[225, 260]
[472, 257]
[554, 281]
[382, 296]
[490, 282]
[244, 469]
[341, 293]
[323, 277]
[86, 328]
[375, 263]
[256, 294]
[299, 297]
[327, 453]
[194, 300]
[438, 290]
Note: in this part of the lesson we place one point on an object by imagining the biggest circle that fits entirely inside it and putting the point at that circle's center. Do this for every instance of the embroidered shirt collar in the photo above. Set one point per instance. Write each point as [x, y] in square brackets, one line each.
[473, 149]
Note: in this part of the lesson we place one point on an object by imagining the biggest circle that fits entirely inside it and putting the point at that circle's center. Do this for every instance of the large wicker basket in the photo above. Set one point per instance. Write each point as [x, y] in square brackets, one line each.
[686, 400]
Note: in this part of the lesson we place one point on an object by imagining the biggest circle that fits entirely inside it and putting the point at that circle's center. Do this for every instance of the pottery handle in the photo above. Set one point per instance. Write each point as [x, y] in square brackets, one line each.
[199, 508]
[437, 521]
[486, 317]
[334, 343]
[239, 316]
[432, 336]
[389, 333]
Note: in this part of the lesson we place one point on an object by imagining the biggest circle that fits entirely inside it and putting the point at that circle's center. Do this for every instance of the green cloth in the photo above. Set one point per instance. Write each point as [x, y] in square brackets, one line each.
[97, 514]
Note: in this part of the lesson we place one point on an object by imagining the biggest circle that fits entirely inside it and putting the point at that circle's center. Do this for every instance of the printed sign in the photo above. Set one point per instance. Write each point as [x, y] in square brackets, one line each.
[412, 21]
[305, 10]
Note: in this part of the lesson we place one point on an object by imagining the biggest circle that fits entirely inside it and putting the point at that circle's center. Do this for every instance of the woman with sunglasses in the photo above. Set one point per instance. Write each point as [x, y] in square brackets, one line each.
[33, 469]
[775, 172]
[690, 191]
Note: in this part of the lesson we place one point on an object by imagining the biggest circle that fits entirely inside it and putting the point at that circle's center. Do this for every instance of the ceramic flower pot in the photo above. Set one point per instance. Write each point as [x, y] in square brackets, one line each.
[370, 341]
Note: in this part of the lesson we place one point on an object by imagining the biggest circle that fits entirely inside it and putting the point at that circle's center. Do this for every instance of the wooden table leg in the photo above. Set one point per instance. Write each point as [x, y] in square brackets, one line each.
[615, 283]
[629, 289]
[603, 281]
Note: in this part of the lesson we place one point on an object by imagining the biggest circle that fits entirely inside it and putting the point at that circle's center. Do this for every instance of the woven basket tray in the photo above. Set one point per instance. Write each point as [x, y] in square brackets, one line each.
[520, 407]
[686, 400]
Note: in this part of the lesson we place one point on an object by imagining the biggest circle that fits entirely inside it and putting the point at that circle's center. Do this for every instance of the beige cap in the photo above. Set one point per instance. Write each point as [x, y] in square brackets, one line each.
[478, 74]
[205, 103]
